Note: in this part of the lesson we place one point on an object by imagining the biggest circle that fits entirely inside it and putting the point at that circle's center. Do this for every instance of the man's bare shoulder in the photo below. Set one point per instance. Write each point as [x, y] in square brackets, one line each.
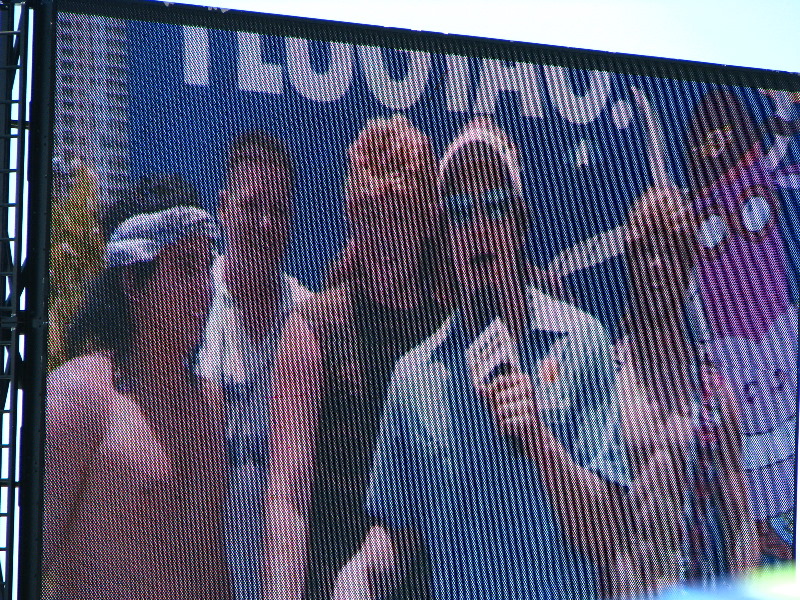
[83, 406]
[132, 444]
[80, 390]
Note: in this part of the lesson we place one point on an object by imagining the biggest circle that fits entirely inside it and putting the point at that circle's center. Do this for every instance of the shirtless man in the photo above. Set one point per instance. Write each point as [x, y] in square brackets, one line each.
[133, 470]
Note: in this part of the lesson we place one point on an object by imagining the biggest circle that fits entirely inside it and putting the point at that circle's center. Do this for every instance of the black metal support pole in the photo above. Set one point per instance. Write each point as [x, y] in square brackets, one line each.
[6, 58]
[36, 284]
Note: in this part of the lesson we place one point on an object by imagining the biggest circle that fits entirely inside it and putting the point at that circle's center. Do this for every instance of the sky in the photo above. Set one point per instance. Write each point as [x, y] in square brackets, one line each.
[750, 33]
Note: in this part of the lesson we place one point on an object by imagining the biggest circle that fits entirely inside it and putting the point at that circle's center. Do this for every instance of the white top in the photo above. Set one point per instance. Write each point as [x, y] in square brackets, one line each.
[243, 367]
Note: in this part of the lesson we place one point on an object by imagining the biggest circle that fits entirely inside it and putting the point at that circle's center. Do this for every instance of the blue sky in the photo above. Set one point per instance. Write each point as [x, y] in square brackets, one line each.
[752, 33]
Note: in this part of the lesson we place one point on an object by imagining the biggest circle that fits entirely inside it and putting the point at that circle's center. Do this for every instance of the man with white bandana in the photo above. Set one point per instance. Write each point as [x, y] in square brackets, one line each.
[134, 461]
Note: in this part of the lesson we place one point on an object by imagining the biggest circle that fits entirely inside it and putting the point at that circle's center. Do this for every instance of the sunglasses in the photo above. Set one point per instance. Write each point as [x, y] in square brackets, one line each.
[496, 203]
[753, 218]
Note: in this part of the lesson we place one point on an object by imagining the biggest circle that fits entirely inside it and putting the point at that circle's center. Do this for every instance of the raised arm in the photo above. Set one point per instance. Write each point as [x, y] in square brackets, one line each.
[297, 386]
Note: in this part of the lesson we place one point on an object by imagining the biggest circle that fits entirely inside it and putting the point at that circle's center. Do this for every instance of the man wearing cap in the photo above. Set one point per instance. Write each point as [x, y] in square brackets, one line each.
[134, 461]
[252, 298]
[498, 444]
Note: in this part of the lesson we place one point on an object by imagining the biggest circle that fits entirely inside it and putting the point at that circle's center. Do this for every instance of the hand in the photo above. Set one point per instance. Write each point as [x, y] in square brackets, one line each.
[512, 400]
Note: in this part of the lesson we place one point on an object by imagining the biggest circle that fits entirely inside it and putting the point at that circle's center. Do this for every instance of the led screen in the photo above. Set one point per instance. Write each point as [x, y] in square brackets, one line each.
[343, 312]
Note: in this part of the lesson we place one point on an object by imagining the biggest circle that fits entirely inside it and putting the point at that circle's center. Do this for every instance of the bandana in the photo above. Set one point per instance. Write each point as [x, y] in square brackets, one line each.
[142, 237]
[484, 131]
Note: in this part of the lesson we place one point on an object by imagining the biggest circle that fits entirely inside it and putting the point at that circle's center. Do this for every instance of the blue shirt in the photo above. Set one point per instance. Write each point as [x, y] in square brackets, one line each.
[442, 469]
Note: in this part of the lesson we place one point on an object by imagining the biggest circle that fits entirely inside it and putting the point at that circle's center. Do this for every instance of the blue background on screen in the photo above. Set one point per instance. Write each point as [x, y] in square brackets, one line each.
[184, 128]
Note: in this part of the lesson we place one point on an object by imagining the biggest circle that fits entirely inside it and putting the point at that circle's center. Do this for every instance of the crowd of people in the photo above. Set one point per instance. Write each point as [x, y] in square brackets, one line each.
[220, 431]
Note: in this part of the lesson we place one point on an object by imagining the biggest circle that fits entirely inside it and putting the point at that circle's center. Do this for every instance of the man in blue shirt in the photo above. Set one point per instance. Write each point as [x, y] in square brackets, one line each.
[514, 482]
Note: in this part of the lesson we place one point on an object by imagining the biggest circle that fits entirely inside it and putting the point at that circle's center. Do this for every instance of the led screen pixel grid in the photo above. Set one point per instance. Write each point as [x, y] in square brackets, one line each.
[333, 316]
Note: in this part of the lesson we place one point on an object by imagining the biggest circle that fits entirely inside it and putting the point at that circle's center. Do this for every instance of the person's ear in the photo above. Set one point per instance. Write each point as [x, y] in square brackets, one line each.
[428, 220]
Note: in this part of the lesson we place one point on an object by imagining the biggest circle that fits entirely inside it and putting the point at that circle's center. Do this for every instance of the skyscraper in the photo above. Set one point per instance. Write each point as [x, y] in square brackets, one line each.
[91, 99]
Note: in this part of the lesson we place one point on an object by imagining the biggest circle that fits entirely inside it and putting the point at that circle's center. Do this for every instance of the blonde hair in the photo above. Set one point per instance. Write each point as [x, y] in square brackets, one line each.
[388, 155]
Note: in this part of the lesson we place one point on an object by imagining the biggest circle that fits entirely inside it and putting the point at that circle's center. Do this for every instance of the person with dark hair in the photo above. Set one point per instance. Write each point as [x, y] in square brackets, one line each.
[252, 298]
[76, 252]
[133, 462]
[498, 444]
[336, 358]
[680, 423]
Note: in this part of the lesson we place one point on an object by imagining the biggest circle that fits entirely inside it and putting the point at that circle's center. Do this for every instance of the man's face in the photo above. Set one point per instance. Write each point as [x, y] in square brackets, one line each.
[659, 270]
[714, 142]
[390, 224]
[176, 297]
[485, 241]
[254, 211]
[721, 134]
